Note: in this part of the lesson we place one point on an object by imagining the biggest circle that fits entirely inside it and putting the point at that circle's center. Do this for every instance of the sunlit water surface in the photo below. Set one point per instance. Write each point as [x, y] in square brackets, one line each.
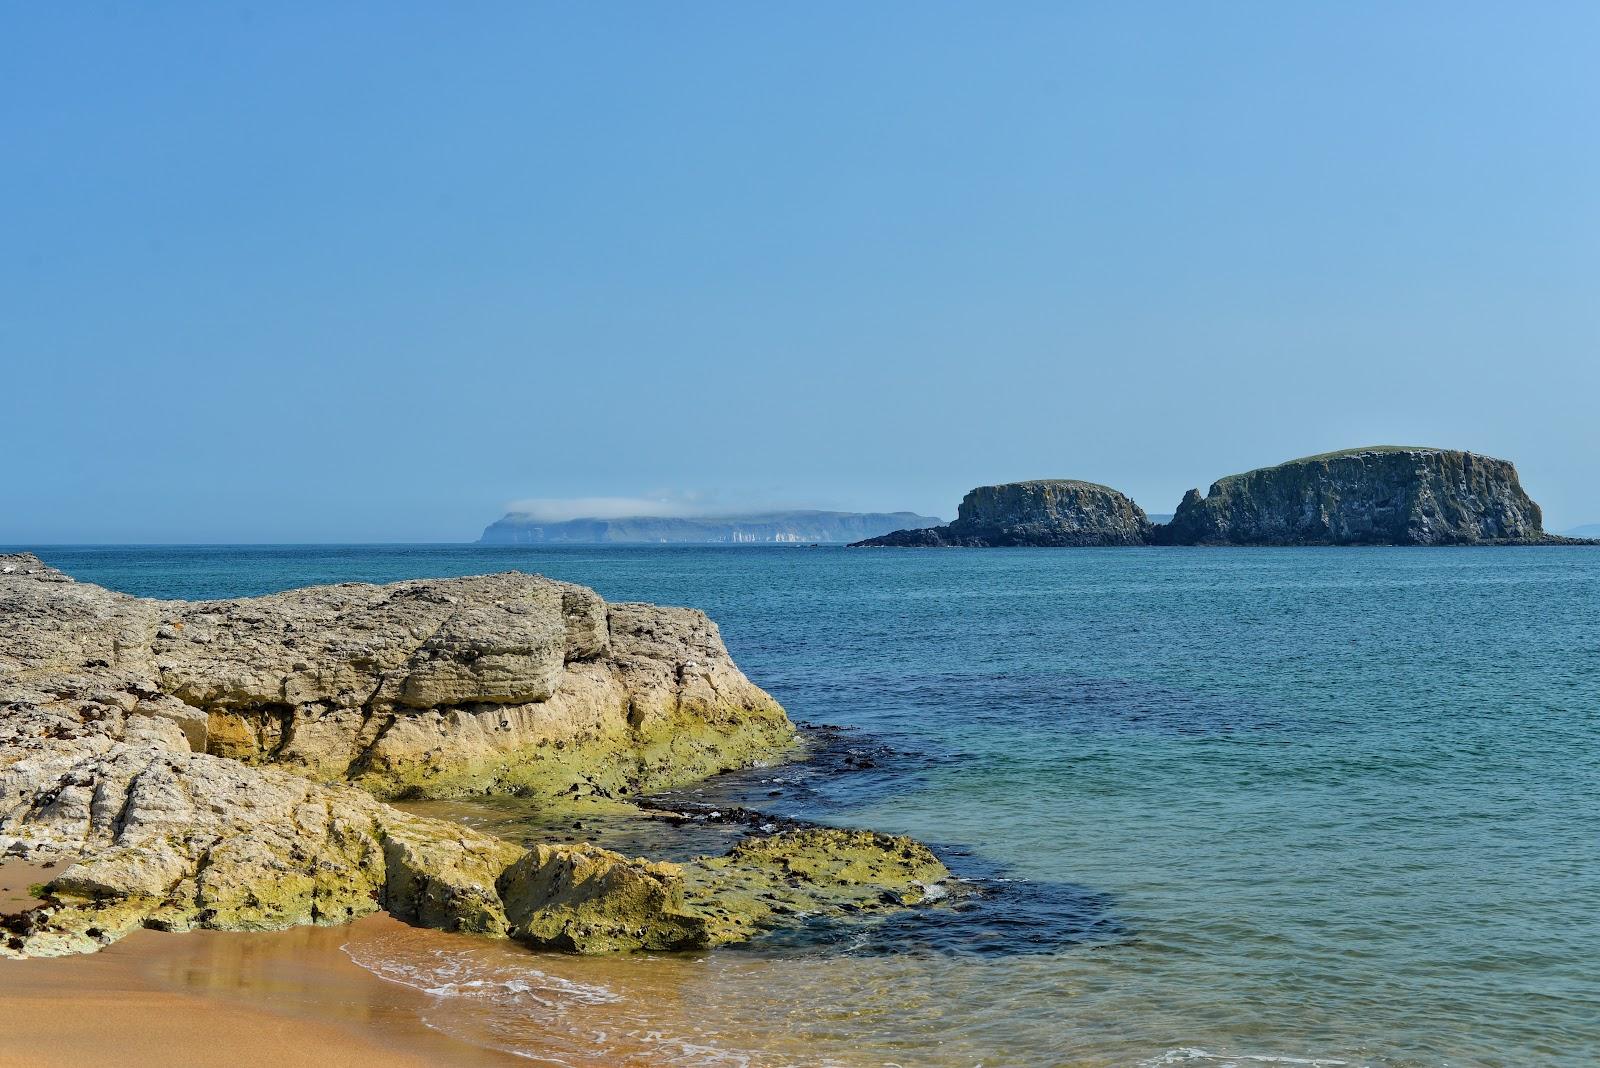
[1232, 807]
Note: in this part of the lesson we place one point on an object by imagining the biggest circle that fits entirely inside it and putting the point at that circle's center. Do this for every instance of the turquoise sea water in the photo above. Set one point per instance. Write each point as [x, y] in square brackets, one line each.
[1326, 806]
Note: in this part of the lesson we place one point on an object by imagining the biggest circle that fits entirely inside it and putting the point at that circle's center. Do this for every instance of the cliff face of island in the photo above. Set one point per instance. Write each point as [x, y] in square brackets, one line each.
[1381, 495]
[1370, 496]
[1044, 512]
[220, 764]
[802, 527]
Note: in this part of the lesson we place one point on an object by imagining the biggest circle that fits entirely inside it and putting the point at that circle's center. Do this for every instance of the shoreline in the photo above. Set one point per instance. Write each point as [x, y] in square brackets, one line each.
[286, 998]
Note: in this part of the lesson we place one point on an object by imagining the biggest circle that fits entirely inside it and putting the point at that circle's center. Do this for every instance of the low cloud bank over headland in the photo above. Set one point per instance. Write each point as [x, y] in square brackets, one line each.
[566, 509]
[553, 526]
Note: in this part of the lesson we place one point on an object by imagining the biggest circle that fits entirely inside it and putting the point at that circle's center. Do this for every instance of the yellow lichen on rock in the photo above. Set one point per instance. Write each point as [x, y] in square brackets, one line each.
[501, 683]
[590, 900]
[822, 872]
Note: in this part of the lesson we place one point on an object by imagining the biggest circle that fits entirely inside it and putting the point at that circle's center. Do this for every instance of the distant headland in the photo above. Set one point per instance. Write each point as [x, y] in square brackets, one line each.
[517, 528]
[1375, 495]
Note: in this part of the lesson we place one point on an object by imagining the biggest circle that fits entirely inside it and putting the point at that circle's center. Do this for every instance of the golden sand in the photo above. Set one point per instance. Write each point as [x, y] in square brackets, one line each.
[212, 998]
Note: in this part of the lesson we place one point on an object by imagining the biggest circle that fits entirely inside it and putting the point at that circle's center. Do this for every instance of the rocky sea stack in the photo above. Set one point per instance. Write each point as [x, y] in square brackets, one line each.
[221, 764]
[1380, 495]
[1384, 495]
[1044, 512]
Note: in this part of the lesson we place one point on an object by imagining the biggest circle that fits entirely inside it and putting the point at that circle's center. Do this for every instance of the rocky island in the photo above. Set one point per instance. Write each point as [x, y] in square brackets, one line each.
[1046, 512]
[1379, 495]
[224, 764]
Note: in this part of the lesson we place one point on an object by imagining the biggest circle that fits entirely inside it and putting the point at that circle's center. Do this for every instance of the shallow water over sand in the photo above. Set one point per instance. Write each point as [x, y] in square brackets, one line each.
[1300, 806]
[210, 998]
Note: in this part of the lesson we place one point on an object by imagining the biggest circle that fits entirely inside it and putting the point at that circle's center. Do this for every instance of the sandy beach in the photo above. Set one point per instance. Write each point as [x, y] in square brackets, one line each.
[214, 998]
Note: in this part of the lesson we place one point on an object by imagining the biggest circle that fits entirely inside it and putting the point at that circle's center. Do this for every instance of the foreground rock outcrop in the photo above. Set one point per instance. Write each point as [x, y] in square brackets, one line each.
[197, 765]
[1044, 512]
[504, 683]
[1370, 496]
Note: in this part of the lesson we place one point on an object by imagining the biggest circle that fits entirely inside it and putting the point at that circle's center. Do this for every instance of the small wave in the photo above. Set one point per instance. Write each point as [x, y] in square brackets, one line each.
[1191, 1057]
[517, 1009]
[447, 974]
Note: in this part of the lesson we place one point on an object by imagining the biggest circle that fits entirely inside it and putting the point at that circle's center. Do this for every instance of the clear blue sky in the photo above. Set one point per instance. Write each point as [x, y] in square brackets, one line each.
[369, 271]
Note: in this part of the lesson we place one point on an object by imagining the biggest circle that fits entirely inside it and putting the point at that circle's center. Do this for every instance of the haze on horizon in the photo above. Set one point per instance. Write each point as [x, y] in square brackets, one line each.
[370, 273]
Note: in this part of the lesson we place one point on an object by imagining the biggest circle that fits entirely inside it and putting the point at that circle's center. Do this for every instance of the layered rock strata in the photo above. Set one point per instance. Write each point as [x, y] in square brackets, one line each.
[1370, 496]
[1044, 512]
[191, 765]
[503, 683]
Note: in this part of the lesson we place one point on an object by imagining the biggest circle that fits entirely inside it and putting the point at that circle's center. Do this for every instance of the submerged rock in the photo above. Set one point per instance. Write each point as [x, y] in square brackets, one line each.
[1044, 512]
[1370, 496]
[192, 763]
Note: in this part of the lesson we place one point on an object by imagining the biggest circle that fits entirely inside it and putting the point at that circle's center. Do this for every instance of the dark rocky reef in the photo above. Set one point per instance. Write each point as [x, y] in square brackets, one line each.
[1383, 495]
[1043, 512]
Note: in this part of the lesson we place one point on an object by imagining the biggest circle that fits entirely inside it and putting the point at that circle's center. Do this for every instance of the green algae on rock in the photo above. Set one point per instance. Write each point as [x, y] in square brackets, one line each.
[589, 899]
[337, 854]
[820, 872]
[586, 899]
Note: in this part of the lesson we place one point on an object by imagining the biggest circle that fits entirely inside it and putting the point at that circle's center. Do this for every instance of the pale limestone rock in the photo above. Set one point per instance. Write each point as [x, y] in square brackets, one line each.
[509, 683]
[494, 682]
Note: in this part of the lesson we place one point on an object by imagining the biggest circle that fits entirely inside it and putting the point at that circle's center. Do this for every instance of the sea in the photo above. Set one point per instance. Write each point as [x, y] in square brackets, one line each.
[1217, 807]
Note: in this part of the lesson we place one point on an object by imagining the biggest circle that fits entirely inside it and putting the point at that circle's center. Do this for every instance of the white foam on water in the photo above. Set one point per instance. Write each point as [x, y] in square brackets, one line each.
[1186, 1056]
[496, 1001]
[544, 1058]
[444, 974]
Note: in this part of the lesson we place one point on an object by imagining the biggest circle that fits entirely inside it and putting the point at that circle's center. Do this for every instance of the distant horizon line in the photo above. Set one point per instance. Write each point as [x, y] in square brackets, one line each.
[32, 546]
[1577, 529]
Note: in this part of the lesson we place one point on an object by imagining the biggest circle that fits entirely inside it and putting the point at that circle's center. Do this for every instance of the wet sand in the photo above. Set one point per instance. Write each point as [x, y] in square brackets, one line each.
[424, 997]
[213, 998]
